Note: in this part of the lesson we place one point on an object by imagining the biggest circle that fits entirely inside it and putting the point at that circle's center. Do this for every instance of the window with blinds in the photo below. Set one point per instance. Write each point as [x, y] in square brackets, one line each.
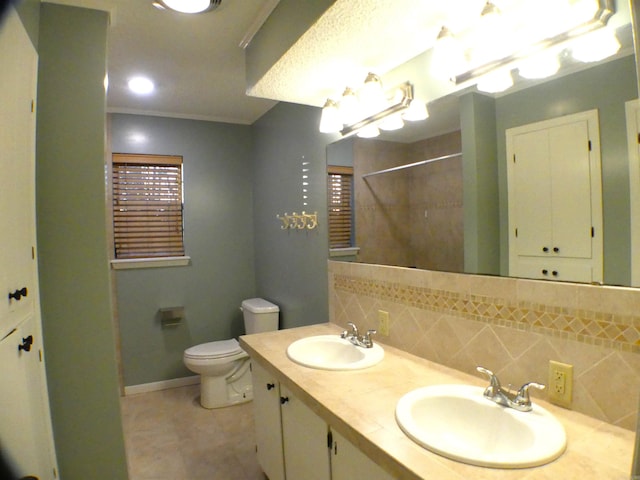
[147, 206]
[339, 196]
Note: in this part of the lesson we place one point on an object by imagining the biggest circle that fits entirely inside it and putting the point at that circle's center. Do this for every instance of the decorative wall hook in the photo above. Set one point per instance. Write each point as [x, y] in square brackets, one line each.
[298, 221]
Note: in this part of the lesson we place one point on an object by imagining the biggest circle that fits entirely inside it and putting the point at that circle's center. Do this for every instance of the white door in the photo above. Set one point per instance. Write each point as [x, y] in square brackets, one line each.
[17, 163]
[25, 425]
[633, 142]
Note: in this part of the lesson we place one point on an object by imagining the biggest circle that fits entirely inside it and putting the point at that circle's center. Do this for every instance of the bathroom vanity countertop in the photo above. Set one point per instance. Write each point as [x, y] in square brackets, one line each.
[360, 405]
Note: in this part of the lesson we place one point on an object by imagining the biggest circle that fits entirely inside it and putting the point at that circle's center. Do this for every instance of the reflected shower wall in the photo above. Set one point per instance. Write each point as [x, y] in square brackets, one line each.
[411, 217]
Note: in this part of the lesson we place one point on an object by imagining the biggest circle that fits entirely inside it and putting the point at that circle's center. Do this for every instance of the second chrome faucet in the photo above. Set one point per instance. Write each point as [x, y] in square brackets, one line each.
[364, 341]
[519, 400]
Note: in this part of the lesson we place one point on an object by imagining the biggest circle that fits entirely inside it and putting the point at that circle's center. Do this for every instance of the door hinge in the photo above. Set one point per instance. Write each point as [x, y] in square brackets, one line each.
[589, 145]
[33, 253]
[33, 104]
[329, 439]
[593, 232]
[516, 232]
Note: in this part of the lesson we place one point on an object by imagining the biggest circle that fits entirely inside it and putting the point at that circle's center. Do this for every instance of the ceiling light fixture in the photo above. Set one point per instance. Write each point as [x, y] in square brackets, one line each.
[596, 46]
[530, 36]
[187, 6]
[367, 110]
[448, 56]
[141, 85]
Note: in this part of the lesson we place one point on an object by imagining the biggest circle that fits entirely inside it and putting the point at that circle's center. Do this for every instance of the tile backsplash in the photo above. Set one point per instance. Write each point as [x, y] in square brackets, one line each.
[510, 326]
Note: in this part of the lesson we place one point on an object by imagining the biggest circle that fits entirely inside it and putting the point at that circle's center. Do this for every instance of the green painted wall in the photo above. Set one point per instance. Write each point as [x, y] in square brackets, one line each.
[291, 265]
[480, 177]
[218, 219]
[606, 88]
[72, 244]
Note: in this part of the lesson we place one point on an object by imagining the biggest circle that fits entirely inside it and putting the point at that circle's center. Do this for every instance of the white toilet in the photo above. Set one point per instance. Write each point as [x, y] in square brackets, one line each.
[225, 378]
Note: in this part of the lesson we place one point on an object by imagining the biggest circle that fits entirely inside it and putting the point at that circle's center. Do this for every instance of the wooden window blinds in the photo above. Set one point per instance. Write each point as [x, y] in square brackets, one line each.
[147, 206]
[339, 195]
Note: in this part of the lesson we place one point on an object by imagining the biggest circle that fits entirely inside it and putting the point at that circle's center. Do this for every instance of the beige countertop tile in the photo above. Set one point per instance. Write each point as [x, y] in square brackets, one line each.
[360, 405]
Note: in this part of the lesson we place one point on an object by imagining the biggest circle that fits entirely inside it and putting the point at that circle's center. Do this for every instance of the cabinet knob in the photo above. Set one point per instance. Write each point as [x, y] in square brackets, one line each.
[284, 400]
[26, 344]
[556, 249]
[554, 273]
[18, 294]
[545, 249]
[545, 271]
[271, 386]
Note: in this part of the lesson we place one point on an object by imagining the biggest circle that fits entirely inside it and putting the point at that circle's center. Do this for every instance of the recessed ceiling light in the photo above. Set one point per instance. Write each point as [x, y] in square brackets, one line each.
[141, 85]
[188, 6]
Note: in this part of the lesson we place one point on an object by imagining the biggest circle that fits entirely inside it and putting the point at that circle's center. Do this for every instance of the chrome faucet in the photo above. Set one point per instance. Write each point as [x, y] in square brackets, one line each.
[519, 400]
[364, 341]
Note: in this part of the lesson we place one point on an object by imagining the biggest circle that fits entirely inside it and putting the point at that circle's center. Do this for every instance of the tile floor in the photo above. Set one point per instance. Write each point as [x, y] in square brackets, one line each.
[169, 436]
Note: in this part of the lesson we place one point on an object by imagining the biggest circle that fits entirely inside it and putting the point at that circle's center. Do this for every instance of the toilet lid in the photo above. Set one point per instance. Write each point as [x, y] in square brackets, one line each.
[222, 348]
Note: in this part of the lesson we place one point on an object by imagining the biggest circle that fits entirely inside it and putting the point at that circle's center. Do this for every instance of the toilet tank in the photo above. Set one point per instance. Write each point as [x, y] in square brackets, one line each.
[259, 315]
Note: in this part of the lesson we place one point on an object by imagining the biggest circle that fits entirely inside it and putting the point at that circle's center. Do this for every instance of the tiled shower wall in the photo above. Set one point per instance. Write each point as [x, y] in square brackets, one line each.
[411, 217]
[510, 326]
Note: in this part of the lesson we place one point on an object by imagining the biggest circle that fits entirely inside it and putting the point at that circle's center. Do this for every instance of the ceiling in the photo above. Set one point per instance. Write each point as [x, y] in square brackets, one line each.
[198, 63]
[195, 60]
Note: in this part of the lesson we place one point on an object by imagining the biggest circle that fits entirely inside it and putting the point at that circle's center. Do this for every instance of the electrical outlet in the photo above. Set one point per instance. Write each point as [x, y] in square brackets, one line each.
[560, 386]
[383, 323]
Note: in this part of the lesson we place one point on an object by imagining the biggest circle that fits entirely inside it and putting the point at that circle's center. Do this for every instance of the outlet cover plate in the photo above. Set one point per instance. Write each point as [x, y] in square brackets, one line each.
[560, 386]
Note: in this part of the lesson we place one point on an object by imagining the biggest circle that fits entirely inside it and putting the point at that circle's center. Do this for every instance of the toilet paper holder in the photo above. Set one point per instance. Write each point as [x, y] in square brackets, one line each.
[171, 316]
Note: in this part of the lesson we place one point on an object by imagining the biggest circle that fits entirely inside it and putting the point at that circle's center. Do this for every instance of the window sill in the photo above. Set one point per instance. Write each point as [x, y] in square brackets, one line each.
[150, 263]
[344, 252]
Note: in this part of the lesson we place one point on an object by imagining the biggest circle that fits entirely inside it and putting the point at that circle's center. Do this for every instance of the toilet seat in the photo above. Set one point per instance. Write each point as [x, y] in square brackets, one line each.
[212, 350]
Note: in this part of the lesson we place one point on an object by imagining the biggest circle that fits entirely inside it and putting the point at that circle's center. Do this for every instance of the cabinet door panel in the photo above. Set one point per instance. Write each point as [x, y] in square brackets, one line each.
[571, 189]
[532, 193]
[266, 405]
[17, 163]
[306, 452]
[349, 463]
[22, 418]
[555, 269]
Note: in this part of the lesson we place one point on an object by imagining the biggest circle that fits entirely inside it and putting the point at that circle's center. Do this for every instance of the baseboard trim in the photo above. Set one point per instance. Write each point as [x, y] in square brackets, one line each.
[162, 385]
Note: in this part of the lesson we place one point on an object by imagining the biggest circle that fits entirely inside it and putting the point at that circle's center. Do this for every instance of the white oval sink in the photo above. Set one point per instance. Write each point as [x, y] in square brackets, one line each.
[456, 421]
[331, 352]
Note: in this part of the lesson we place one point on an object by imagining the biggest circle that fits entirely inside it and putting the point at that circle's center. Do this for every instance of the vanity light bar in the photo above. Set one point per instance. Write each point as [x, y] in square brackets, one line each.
[401, 104]
[601, 17]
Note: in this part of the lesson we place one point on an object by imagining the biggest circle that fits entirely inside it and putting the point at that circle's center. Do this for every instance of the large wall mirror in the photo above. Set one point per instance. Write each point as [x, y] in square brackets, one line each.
[451, 214]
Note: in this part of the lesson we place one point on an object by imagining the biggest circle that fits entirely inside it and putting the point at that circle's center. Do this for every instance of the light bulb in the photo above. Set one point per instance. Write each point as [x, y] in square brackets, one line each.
[489, 41]
[540, 65]
[371, 95]
[448, 58]
[349, 107]
[495, 82]
[392, 122]
[369, 131]
[595, 46]
[417, 111]
[141, 85]
[188, 6]
[330, 119]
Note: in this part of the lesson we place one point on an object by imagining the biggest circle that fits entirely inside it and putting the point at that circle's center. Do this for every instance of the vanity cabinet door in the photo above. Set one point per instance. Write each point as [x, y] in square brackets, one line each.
[305, 434]
[266, 407]
[348, 463]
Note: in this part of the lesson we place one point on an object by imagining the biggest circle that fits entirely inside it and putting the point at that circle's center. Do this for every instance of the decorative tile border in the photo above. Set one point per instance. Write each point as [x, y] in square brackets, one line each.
[620, 332]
